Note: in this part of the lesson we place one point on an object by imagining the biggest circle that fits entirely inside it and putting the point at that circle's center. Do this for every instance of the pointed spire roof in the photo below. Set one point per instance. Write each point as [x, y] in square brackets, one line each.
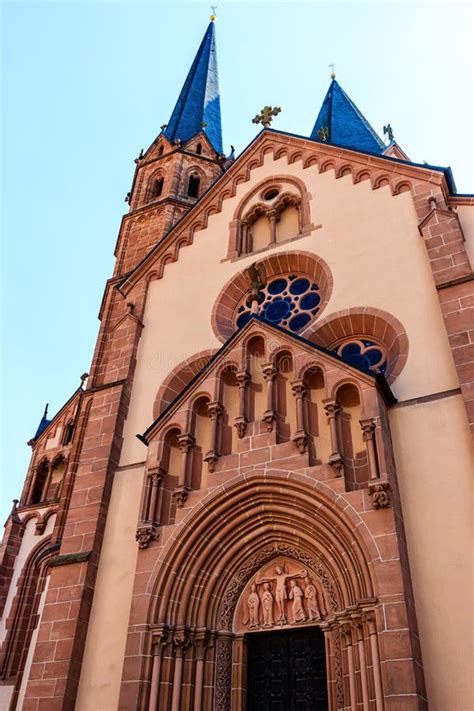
[198, 107]
[43, 424]
[345, 124]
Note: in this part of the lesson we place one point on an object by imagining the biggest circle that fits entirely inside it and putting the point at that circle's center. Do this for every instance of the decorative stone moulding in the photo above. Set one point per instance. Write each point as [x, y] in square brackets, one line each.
[301, 265]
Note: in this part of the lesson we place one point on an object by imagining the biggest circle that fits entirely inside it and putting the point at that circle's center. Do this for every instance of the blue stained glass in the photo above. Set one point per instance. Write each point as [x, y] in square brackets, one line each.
[277, 286]
[350, 349]
[357, 360]
[374, 355]
[242, 320]
[309, 301]
[298, 322]
[277, 310]
[299, 286]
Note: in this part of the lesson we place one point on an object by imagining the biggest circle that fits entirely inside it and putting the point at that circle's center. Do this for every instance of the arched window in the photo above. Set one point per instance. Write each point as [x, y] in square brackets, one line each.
[350, 436]
[199, 149]
[158, 187]
[160, 150]
[37, 493]
[68, 433]
[193, 185]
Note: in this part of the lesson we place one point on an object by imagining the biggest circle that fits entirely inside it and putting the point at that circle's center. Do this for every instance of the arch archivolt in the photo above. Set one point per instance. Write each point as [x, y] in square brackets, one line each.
[221, 535]
[254, 524]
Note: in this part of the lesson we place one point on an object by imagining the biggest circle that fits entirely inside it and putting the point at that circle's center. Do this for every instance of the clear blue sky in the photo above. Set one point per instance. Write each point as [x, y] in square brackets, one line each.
[86, 85]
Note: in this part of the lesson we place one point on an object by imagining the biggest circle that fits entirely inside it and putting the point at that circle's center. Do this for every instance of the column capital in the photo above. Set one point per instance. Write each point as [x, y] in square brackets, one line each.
[242, 377]
[186, 442]
[368, 426]
[181, 639]
[269, 370]
[156, 473]
[331, 407]
[215, 409]
[298, 388]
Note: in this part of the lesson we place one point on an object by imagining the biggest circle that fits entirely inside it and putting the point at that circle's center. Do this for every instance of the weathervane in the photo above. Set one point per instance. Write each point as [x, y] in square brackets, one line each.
[333, 73]
[387, 131]
[266, 115]
[213, 16]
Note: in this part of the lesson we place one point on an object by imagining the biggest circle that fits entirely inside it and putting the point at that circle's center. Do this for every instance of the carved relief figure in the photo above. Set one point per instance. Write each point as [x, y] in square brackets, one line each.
[253, 604]
[267, 605]
[297, 594]
[311, 597]
[281, 595]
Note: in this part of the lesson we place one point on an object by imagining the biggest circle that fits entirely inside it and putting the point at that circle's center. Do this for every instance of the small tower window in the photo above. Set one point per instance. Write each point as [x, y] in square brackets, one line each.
[68, 433]
[160, 150]
[193, 186]
[158, 187]
[199, 149]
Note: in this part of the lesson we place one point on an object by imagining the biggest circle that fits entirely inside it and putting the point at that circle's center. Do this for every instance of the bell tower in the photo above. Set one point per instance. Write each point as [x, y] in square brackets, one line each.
[181, 164]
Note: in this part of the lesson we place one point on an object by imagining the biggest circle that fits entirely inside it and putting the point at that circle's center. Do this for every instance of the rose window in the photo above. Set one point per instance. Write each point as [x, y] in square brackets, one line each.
[363, 354]
[289, 301]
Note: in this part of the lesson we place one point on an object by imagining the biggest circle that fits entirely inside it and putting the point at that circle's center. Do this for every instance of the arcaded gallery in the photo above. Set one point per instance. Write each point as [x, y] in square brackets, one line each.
[257, 498]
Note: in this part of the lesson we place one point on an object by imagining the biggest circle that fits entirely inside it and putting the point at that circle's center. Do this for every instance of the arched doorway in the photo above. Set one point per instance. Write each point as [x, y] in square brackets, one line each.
[295, 538]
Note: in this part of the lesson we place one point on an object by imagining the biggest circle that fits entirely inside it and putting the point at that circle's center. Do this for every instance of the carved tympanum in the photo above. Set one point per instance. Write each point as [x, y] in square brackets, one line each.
[282, 593]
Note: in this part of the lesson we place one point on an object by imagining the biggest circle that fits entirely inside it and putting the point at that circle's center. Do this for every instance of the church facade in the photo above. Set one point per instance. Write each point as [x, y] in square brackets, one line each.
[259, 495]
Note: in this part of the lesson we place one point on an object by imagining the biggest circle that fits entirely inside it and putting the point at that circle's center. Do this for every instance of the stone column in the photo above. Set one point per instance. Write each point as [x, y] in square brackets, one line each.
[346, 632]
[201, 643]
[300, 438]
[244, 236]
[243, 378]
[186, 444]
[269, 372]
[180, 644]
[272, 217]
[369, 618]
[215, 410]
[359, 633]
[368, 429]
[160, 640]
[147, 529]
[332, 409]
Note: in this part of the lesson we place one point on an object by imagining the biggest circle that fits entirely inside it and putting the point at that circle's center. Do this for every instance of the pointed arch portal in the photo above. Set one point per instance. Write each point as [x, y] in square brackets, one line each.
[237, 543]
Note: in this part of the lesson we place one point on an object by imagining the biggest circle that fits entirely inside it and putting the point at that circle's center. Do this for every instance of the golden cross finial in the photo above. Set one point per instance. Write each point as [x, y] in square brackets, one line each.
[266, 115]
[213, 16]
[333, 73]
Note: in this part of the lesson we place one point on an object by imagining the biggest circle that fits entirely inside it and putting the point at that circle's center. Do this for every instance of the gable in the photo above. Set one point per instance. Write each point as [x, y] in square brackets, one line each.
[306, 355]
[379, 171]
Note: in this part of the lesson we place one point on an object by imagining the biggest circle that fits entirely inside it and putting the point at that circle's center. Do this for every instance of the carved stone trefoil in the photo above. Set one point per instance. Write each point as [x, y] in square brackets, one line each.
[380, 494]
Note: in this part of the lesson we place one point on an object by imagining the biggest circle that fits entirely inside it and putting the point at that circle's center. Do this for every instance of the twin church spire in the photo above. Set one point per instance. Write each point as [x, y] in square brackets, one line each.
[339, 121]
[198, 107]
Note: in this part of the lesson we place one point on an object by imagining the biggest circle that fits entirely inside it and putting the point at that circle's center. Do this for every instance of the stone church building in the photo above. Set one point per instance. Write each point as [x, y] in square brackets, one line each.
[258, 498]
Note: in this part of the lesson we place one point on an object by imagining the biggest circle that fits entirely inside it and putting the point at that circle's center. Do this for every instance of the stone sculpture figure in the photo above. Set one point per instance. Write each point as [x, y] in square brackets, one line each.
[311, 597]
[253, 604]
[281, 595]
[297, 595]
[267, 606]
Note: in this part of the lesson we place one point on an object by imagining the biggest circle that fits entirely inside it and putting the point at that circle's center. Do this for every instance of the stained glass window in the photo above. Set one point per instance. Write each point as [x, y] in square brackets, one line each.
[363, 354]
[290, 301]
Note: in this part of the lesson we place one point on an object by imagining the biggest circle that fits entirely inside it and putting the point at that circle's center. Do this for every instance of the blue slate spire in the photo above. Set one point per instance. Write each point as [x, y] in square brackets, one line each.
[43, 424]
[345, 124]
[198, 107]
